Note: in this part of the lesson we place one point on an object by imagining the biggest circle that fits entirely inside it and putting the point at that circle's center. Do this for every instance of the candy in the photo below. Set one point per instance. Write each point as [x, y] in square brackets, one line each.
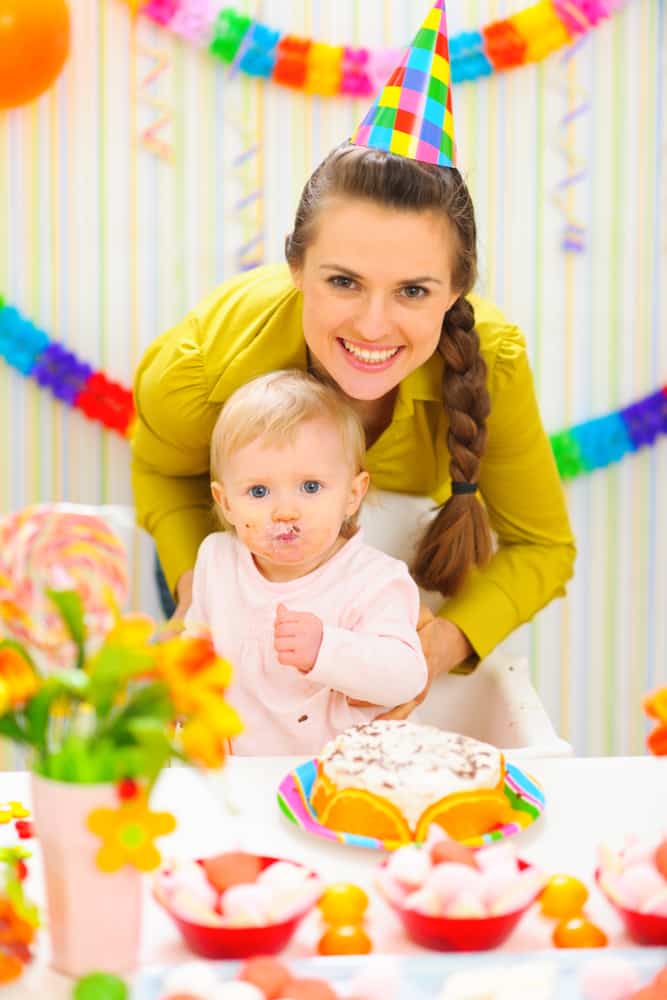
[639, 883]
[423, 900]
[410, 865]
[247, 905]
[268, 974]
[283, 876]
[465, 905]
[660, 858]
[578, 932]
[523, 891]
[345, 940]
[449, 880]
[563, 896]
[343, 903]
[451, 850]
[189, 876]
[231, 868]
[100, 986]
[309, 989]
[609, 978]
[197, 978]
[190, 905]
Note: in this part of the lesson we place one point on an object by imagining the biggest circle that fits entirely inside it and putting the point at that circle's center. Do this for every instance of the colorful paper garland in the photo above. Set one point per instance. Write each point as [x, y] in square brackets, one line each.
[294, 61]
[583, 448]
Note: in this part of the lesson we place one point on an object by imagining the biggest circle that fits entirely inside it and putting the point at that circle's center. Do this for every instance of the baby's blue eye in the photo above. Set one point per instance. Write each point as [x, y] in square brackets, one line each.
[312, 486]
[258, 492]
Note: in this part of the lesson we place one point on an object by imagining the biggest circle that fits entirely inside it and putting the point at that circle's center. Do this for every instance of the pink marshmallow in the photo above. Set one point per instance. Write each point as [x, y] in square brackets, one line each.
[410, 865]
[449, 879]
[423, 900]
[192, 907]
[639, 883]
[500, 856]
[523, 891]
[466, 904]
[247, 905]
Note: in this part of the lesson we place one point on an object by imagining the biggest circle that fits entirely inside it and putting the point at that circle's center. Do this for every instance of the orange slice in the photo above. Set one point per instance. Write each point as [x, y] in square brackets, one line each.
[354, 810]
[466, 814]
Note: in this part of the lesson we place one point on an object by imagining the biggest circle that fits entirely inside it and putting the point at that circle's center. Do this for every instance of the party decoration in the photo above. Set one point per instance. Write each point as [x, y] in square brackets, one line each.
[34, 44]
[251, 47]
[44, 547]
[573, 239]
[581, 449]
[128, 834]
[412, 115]
[150, 136]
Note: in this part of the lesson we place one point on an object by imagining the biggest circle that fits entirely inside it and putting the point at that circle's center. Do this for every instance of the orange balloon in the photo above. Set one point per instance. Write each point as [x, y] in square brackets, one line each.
[34, 43]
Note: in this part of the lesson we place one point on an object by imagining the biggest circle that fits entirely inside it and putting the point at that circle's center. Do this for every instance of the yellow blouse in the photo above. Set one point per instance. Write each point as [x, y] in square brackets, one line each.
[252, 325]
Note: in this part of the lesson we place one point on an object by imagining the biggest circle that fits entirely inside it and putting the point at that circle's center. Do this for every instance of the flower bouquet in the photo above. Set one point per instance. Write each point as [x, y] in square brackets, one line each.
[98, 735]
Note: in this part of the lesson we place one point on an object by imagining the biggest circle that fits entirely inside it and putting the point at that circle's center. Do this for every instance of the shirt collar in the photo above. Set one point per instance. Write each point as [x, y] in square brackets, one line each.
[424, 383]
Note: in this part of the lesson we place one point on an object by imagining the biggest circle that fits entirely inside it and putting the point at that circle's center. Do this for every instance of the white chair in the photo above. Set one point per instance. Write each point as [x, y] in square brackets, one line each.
[496, 702]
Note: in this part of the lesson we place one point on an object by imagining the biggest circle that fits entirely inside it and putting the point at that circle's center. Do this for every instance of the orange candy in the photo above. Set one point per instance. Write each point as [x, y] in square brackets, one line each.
[346, 940]
[452, 850]
[563, 896]
[578, 932]
[661, 859]
[231, 868]
[343, 903]
[310, 989]
[268, 975]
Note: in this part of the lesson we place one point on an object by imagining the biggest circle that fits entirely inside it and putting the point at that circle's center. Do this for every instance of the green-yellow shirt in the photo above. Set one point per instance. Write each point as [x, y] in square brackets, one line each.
[252, 325]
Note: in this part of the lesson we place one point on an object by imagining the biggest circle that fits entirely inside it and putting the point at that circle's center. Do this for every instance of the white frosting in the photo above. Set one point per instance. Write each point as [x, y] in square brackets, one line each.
[411, 765]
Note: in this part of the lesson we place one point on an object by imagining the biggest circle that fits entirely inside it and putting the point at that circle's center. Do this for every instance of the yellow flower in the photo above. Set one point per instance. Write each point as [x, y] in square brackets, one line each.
[18, 680]
[204, 737]
[133, 631]
[128, 833]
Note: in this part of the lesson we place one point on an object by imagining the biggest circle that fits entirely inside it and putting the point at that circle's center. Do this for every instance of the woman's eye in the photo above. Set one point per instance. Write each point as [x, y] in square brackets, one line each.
[341, 281]
[414, 291]
[312, 486]
[258, 492]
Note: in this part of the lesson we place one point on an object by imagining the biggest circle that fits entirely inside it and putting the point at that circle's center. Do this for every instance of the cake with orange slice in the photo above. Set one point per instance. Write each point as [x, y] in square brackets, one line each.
[392, 779]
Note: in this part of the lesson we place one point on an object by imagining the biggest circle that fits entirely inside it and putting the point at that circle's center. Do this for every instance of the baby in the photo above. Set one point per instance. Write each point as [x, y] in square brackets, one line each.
[307, 614]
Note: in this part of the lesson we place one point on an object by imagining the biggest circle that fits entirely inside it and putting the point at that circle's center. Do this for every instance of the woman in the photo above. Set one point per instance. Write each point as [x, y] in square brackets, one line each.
[381, 261]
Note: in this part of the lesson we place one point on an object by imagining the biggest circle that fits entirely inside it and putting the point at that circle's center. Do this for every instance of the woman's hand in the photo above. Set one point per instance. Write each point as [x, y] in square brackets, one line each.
[184, 600]
[444, 646]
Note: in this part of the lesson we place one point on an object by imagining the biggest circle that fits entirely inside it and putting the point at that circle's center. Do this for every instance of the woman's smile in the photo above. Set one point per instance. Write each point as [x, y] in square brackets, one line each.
[369, 358]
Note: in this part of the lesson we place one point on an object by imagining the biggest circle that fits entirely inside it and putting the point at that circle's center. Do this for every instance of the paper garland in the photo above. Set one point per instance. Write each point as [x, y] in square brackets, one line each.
[583, 448]
[294, 61]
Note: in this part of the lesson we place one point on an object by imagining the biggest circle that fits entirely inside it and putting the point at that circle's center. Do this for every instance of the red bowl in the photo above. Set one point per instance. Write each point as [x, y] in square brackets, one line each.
[460, 933]
[643, 928]
[238, 942]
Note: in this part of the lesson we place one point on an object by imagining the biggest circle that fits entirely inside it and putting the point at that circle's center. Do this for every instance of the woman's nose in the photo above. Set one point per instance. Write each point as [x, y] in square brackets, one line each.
[374, 321]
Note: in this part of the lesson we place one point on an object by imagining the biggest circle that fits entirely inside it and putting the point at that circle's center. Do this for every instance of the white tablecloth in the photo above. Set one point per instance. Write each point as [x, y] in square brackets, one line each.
[588, 800]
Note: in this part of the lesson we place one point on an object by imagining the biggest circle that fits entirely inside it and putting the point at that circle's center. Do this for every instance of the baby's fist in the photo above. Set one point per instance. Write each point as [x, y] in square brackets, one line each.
[297, 637]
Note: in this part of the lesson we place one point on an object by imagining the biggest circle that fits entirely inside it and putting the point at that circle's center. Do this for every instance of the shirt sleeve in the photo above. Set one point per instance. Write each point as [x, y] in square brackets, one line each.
[380, 660]
[170, 448]
[521, 488]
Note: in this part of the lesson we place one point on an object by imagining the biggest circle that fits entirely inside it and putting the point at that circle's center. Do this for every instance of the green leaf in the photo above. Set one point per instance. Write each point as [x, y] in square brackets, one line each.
[70, 606]
[150, 702]
[11, 728]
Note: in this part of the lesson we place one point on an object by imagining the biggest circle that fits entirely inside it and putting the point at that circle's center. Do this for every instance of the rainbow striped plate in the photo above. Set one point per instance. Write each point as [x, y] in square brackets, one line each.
[525, 795]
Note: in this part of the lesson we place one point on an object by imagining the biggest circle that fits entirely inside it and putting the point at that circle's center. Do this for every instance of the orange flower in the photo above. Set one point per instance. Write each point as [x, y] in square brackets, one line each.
[128, 833]
[193, 672]
[204, 736]
[655, 706]
[18, 680]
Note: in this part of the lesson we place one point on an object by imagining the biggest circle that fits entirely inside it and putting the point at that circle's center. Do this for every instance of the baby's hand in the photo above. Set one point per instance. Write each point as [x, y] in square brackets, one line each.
[297, 637]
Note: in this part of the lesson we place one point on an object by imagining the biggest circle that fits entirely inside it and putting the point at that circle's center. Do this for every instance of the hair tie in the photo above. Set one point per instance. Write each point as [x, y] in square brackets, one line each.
[463, 488]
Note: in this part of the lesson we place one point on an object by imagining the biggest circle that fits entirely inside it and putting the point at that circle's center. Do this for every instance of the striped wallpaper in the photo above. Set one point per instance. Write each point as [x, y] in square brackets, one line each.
[107, 238]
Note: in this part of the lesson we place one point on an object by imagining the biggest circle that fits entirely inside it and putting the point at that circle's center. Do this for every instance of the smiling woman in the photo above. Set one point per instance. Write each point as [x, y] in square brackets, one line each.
[377, 301]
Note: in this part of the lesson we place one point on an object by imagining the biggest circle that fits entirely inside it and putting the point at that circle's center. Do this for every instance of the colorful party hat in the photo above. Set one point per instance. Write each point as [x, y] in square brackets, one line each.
[412, 116]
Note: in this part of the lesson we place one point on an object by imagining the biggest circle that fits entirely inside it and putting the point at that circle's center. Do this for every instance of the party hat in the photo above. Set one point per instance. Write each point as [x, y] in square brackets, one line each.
[412, 116]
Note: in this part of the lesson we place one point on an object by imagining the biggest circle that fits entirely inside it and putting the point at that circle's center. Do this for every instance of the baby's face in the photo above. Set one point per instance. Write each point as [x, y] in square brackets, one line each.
[287, 503]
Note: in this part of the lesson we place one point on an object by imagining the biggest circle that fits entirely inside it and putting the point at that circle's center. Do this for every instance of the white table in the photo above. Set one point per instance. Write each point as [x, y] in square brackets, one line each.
[588, 800]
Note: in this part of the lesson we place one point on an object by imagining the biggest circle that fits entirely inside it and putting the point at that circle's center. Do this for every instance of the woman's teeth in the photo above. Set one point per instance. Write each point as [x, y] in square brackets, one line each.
[371, 357]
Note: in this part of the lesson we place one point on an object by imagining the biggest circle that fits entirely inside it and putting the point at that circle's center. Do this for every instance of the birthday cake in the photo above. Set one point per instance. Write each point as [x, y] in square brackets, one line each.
[392, 779]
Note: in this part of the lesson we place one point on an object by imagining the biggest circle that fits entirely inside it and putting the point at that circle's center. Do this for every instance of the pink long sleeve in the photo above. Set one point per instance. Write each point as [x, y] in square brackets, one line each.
[381, 659]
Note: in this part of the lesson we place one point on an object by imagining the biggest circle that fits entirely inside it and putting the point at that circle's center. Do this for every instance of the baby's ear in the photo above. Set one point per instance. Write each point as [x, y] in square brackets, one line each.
[220, 497]
[358, 491]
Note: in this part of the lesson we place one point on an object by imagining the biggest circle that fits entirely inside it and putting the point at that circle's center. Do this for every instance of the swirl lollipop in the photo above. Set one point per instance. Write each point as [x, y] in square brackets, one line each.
[47, 547]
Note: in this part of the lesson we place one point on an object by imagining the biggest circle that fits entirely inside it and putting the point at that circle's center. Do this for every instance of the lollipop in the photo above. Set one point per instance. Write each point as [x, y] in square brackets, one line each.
[48, 547]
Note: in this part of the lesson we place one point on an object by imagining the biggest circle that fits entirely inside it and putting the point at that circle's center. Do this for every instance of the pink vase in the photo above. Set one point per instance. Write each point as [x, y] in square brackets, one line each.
[94, 917]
